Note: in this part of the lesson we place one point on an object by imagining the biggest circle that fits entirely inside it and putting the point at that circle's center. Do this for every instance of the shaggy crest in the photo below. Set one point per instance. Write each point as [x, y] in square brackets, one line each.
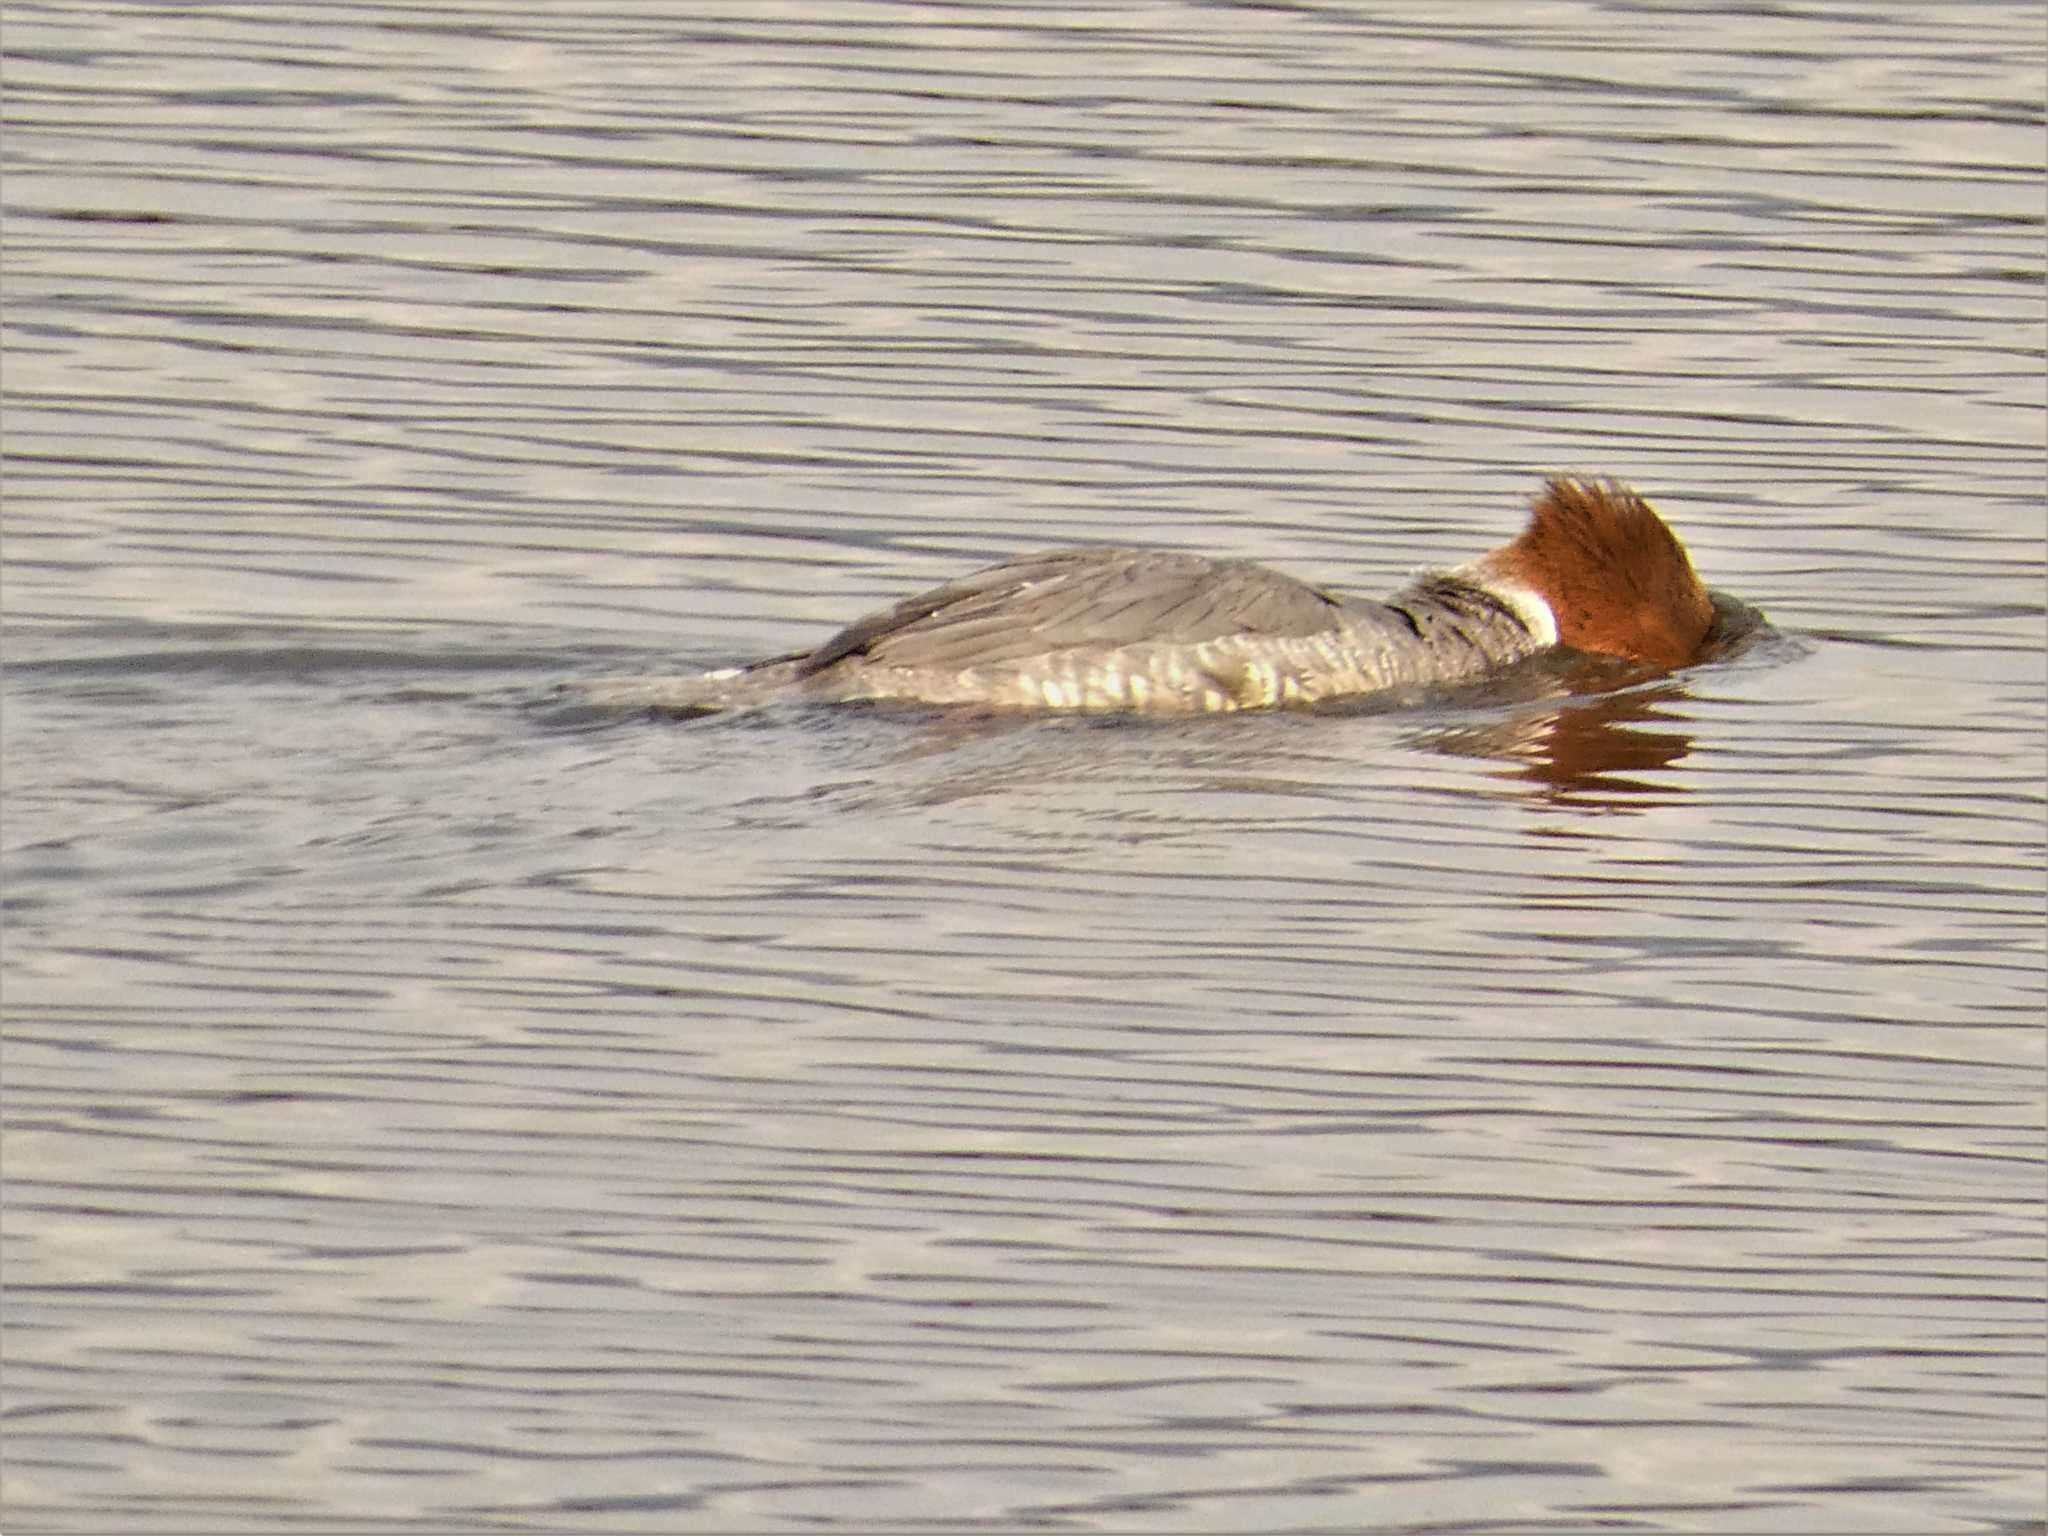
[1616, 578]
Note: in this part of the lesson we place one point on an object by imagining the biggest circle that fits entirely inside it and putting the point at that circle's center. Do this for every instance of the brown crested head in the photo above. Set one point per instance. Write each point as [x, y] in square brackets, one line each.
[1616, 578]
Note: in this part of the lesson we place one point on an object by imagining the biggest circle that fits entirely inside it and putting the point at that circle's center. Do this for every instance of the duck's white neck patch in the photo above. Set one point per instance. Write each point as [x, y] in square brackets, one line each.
[1520, 599]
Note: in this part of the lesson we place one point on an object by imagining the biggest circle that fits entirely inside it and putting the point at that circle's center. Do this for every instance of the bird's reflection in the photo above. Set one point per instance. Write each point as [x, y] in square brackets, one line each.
[1598, 744]
[1611, 722]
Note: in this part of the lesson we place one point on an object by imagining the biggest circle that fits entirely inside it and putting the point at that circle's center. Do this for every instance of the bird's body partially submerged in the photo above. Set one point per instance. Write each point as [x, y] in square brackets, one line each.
[1108, 629]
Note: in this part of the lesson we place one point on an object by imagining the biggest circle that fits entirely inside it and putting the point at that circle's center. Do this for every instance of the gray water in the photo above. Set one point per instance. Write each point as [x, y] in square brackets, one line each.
[424, 1111]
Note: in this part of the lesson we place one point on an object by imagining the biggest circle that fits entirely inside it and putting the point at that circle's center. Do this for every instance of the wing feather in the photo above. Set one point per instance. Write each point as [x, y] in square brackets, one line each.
[1066, 598]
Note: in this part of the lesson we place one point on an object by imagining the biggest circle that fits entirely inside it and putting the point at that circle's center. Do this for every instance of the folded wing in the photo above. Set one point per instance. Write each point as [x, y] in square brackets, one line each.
[1068, 598]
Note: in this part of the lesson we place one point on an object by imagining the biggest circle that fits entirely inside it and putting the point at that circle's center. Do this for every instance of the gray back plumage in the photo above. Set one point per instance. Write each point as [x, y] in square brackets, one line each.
[1066, 598]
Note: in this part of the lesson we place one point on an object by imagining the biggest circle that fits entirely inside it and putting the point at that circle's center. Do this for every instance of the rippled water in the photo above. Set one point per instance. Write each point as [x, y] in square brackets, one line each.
[427, 1112]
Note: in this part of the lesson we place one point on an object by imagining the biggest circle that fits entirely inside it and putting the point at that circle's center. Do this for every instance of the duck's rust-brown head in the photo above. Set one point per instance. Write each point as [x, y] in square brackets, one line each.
[1615, 578]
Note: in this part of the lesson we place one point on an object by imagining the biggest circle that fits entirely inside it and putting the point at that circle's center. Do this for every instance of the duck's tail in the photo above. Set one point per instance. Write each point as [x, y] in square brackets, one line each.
[701, 693]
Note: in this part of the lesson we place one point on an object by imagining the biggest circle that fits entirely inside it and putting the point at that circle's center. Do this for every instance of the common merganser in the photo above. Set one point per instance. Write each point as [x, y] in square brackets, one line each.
[1111, 629]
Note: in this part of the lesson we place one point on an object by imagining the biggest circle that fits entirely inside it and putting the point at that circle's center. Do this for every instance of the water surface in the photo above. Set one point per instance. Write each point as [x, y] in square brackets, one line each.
[1622, 1109]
